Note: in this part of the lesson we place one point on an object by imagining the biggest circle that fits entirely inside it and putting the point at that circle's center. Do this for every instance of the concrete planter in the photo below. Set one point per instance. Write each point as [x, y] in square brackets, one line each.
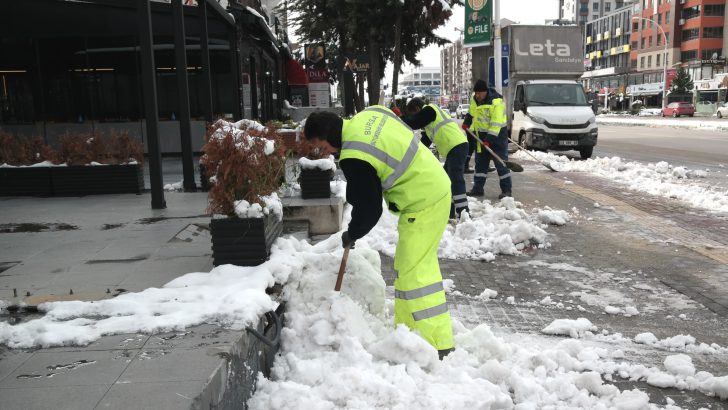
[32, 181]
[72, 181]
[243, 241]
[93, 180]
[315, 183]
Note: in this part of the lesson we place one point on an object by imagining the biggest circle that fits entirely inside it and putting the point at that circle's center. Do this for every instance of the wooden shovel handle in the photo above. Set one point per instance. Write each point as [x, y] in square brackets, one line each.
[342, 268]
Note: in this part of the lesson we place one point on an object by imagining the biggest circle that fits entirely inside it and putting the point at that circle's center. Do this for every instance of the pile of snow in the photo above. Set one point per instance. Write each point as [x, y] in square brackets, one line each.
[574, 328]
[341, 349]
[704, 124]
[324, 164]
[490, 229]
[38, 164]
[660, 179]
[177, 186]
[271, 205]
[680, 343]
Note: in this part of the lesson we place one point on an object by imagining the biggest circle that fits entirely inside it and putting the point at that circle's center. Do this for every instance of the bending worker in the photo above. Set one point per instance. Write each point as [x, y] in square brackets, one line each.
[450, 142]
[382, 156]
[487, 118]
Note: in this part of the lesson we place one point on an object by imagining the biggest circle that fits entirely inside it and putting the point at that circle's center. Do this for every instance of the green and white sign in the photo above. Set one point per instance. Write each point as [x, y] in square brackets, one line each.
[478, 17]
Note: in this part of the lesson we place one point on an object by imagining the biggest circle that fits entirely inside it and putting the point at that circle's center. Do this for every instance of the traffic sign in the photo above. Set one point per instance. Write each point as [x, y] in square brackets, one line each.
[504, 70]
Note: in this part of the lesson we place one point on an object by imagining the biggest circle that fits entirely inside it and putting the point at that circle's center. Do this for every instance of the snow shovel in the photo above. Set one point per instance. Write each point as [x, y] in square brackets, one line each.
[533, 156]
[508, 164]
[342, 268]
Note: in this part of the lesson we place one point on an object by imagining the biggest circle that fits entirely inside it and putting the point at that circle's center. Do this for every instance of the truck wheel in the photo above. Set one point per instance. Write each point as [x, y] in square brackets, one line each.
[522, 140]
[586, 152]
[675, 114]
[719, 115]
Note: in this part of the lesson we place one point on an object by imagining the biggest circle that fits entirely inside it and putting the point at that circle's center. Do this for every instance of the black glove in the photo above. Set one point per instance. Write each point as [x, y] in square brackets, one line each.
[346, 240]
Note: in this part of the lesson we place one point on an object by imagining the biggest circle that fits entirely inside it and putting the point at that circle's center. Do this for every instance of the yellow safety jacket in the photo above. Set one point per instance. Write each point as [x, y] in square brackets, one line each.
[444, 132]
[412, 178]
[488, 118]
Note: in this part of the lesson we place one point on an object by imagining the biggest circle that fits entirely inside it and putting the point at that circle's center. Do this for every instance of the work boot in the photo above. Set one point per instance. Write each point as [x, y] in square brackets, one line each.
[469, 170]
[504, 194]
[491, 169]
[444, 352]
[473, 192]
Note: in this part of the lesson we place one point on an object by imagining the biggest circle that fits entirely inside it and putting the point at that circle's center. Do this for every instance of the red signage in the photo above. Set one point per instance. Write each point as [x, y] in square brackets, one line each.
[671, 74]
[320, 75]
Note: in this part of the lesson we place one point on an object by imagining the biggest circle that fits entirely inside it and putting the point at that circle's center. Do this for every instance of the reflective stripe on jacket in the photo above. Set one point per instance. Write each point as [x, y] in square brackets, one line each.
[444, 132]
[412, 178]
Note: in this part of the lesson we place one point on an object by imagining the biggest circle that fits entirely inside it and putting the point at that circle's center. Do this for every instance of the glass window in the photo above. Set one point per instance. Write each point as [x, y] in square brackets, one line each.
[713, 32]
[690, 34]
[649, 42]
[715, 9]
[689, 55]
[667, 17]
[642, 62]
[657, 60]
[595, 6]
[649, 61]
[710, 53]
[607, 6]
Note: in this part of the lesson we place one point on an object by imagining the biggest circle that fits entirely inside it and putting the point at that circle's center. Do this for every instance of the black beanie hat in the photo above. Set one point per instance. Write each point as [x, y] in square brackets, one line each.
[480, 85]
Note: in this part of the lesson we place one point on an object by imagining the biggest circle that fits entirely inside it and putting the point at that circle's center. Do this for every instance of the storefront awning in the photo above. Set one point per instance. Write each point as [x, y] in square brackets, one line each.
[296, 73]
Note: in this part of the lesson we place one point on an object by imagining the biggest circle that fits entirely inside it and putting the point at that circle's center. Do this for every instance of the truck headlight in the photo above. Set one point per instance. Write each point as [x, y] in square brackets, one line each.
[536, 119]
[592, 120]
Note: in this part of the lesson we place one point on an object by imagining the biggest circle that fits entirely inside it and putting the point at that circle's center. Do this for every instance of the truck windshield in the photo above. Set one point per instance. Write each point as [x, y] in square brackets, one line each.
[555, 94]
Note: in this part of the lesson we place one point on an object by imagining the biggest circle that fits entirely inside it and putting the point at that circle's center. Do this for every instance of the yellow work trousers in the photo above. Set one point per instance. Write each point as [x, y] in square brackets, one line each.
[419, 295]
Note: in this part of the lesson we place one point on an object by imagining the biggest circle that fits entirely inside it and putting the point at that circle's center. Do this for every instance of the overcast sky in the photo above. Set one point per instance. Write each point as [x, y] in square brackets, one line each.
[520, 11]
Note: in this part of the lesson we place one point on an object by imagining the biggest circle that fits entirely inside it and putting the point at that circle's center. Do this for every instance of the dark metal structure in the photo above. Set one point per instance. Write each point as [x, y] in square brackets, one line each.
[157, 71]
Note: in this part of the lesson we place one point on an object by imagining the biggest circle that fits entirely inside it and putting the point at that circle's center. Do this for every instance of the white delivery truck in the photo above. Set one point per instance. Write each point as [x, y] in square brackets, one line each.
[547, 106]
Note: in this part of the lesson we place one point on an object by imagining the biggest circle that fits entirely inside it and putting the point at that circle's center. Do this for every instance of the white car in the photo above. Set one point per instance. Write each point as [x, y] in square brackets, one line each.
[462, 110]
[723, 110]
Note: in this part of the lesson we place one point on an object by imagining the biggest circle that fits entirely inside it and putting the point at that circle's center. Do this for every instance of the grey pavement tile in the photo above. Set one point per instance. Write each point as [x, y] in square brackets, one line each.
[11, 359]
[152, 395]
[171, 365]
[79, 368]
[106, 343]
[52, 397]
[195, 337]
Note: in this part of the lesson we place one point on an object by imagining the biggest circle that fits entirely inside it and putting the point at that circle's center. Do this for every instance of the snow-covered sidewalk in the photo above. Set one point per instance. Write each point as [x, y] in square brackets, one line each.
[707, 123]
[660, 179]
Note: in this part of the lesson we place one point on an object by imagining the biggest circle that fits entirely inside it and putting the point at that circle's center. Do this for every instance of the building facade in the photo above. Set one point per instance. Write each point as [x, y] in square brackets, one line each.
[663, 35]
[423, 81]
[456, 64]
[584, 11]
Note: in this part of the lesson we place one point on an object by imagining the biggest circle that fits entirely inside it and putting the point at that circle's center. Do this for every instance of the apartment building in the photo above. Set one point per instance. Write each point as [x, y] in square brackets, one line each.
[584, 11]
[607, 51]
[456, 64]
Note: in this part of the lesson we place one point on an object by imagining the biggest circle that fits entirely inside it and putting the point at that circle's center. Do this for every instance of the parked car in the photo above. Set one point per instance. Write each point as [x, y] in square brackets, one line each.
[677, 109]
[462, 110]
[723, 110]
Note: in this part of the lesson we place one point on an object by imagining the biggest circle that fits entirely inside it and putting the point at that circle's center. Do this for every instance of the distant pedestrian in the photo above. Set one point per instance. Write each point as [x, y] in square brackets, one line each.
[487, 118]
[395, 110]
[450, 143]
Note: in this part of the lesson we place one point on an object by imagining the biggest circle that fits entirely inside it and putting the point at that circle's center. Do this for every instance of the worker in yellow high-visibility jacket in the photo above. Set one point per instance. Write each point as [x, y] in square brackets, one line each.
[487, 118]
[382, 157]
[450, 143]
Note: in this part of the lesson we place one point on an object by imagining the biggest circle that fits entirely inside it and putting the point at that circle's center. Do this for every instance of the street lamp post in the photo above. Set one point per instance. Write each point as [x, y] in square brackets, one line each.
[664, 58]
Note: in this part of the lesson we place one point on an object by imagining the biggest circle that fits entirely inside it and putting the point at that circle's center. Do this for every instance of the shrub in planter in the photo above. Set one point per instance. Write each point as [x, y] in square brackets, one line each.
[245, 162]
[34, 168]
[316, 170]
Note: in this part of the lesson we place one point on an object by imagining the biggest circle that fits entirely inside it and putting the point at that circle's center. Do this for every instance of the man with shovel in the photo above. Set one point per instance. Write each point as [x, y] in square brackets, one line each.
[450, 142]
[382, 157]
[487, 118]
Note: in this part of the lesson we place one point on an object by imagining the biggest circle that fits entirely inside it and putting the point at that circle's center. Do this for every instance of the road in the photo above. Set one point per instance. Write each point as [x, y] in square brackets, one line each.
[686, 147]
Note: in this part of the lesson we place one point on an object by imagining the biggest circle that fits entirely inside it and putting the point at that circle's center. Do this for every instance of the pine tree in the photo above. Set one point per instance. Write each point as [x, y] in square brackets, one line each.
[682, 84]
